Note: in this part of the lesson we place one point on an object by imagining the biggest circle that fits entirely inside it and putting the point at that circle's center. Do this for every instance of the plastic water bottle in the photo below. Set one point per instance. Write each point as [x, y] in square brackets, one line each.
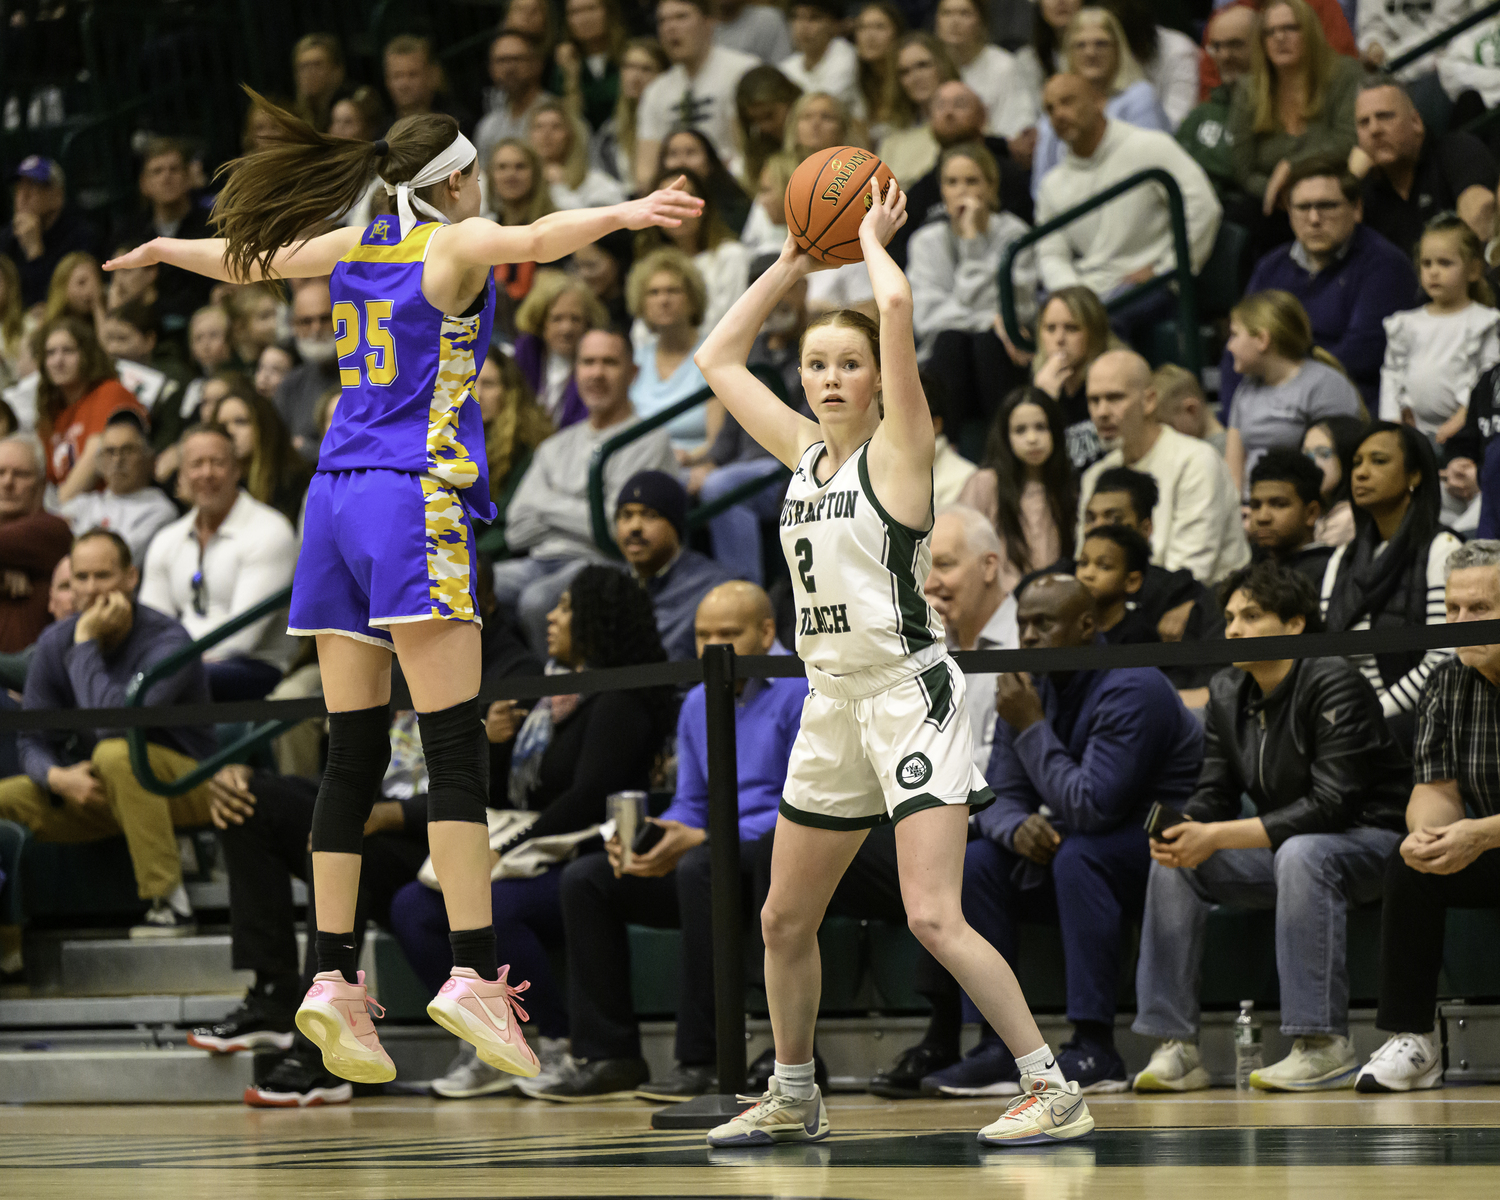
[1247, 1053]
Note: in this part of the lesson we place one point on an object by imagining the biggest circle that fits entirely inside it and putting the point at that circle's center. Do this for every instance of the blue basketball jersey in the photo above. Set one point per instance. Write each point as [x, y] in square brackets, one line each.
[407, 370]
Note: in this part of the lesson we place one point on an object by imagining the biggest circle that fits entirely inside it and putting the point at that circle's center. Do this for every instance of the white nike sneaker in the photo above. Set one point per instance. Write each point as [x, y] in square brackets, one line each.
[1174, 1067]
[774, 1118]
[1408, 1062]
[1043, 1112]
[1316, 1064]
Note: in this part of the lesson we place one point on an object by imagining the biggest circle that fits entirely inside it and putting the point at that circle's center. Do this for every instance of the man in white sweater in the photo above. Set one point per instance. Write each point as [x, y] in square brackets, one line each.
[1196, 523]
[1128, 240]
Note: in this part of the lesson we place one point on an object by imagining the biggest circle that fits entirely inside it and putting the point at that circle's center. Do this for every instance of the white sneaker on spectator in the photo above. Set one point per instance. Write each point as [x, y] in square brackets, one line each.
[1174, 1067]
[1408, 1062]
[164, 921]
[1316, 1064]
[468, 1076]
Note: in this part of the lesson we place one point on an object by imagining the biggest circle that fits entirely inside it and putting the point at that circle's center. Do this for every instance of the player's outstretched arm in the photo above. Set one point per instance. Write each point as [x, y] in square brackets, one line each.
[906, 428]
[721, 358]
[559, 234]
[205, 256]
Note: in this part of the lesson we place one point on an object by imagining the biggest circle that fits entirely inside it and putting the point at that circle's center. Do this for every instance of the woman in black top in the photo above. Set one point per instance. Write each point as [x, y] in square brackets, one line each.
[561, 759]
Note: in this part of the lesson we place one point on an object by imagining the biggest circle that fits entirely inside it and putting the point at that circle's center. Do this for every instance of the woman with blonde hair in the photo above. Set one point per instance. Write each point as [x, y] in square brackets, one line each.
[518, 195]
[1287, 383]
[1297, 102]
[922, 66]
[550, 323]
[666, 292]
[721, 259]
[1072, 330]
[561, 141]
[1096, 50]
[514, 426]
[819, 121]
[76, 290]
[642, 60]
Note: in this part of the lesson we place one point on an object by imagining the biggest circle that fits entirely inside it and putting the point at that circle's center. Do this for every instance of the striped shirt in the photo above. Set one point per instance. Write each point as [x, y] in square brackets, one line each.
[1458, 735]
[1401, 695]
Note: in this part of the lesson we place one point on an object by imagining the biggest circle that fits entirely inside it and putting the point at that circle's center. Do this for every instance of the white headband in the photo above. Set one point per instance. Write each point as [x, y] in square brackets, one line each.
[455, 158]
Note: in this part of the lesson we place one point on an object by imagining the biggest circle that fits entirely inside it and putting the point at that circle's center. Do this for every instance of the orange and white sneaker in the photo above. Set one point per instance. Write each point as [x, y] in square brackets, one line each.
[1043, 1112]
[335, 1016]
[487, 1015]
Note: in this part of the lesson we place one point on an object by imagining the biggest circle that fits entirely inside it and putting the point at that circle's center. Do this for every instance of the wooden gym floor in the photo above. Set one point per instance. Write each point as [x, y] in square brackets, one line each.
[1443, 1144]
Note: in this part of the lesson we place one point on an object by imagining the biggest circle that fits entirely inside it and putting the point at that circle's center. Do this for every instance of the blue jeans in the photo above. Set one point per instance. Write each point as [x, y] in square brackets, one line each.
[1096, 887]
[736, 530]
[1309, 882]
[528, 923]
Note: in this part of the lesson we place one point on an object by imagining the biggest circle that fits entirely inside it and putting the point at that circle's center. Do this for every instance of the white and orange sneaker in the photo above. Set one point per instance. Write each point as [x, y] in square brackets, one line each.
[335, 1016]
[487, 1015]
[1043, 1112]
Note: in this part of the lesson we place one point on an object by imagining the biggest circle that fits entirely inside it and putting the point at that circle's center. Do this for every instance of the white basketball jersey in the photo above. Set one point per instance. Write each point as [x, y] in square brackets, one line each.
[857, 573]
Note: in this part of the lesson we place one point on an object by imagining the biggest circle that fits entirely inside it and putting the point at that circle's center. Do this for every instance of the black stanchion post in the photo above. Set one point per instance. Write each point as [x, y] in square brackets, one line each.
[729, 953]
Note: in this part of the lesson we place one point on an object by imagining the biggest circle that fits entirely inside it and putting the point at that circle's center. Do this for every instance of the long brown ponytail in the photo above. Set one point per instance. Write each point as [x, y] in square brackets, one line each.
[278, 195]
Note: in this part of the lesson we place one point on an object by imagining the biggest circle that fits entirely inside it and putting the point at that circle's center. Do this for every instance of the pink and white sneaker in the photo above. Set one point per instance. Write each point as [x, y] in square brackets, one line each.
[335, 1015]
[489, 1016]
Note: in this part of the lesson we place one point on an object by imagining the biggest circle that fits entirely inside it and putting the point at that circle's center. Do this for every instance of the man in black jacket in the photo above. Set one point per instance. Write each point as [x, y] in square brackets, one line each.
[1306, 741]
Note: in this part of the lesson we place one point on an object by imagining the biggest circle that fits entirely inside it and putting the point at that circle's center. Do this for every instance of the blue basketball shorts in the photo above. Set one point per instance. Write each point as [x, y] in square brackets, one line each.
[381, 548]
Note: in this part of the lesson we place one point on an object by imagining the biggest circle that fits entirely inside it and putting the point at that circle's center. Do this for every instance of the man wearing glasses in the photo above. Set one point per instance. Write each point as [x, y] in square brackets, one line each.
[227, 555]
[1348, 277]
[130, 505]
[297, 397]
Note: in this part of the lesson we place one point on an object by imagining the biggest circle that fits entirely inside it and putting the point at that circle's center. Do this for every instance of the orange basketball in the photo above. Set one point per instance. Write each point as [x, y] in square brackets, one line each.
[828, 197]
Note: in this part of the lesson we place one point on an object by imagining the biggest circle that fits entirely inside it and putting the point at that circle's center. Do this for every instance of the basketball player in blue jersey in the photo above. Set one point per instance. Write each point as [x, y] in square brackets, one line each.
[388, 549]
[883, 734]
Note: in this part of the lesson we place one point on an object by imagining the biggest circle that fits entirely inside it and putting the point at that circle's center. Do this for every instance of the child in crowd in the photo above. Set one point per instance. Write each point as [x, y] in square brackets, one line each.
[1331, 444]
[765, 230]
[1435, 354]
[1180, 403]
[1026, 485]
[1286, 381]
[1112, 564]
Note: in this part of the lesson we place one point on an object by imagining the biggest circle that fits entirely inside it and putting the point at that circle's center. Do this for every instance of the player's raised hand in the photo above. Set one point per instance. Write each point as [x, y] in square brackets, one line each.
[800, 260]
[887, 213]
[667, 207]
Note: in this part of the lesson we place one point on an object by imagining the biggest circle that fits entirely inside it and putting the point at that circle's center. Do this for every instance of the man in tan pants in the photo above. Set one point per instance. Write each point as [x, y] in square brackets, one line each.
[79, 787]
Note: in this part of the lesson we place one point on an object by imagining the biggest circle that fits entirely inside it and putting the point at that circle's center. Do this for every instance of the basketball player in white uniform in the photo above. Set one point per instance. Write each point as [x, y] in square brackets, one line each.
[883, 734]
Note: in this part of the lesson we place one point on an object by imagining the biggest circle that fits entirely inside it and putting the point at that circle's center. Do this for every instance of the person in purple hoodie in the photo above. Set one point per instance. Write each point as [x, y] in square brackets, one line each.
[550, 323]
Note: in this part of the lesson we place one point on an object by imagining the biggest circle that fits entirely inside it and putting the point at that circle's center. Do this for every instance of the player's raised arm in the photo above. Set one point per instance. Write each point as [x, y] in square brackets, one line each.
[906, 427]
[721, 358]
[559, 234]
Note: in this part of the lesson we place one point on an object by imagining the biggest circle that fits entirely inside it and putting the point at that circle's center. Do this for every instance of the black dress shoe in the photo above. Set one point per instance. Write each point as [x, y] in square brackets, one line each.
[758, 1074]
[601, 1079]
[682, 1084]
[904, 1080]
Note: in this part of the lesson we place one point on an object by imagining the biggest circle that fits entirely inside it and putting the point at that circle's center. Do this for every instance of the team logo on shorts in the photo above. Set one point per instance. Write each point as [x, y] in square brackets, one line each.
[914, 771]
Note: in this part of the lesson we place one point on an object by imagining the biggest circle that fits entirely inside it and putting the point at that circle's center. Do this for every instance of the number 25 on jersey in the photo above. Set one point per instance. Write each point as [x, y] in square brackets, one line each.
[380, 363]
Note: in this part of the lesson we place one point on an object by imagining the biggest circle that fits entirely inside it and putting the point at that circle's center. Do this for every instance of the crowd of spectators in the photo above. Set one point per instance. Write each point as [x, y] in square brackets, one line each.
[160, 429]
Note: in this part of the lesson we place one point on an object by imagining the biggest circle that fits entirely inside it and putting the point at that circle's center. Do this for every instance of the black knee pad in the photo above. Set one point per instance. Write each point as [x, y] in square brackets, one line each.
[458, 763]
[359, 750]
